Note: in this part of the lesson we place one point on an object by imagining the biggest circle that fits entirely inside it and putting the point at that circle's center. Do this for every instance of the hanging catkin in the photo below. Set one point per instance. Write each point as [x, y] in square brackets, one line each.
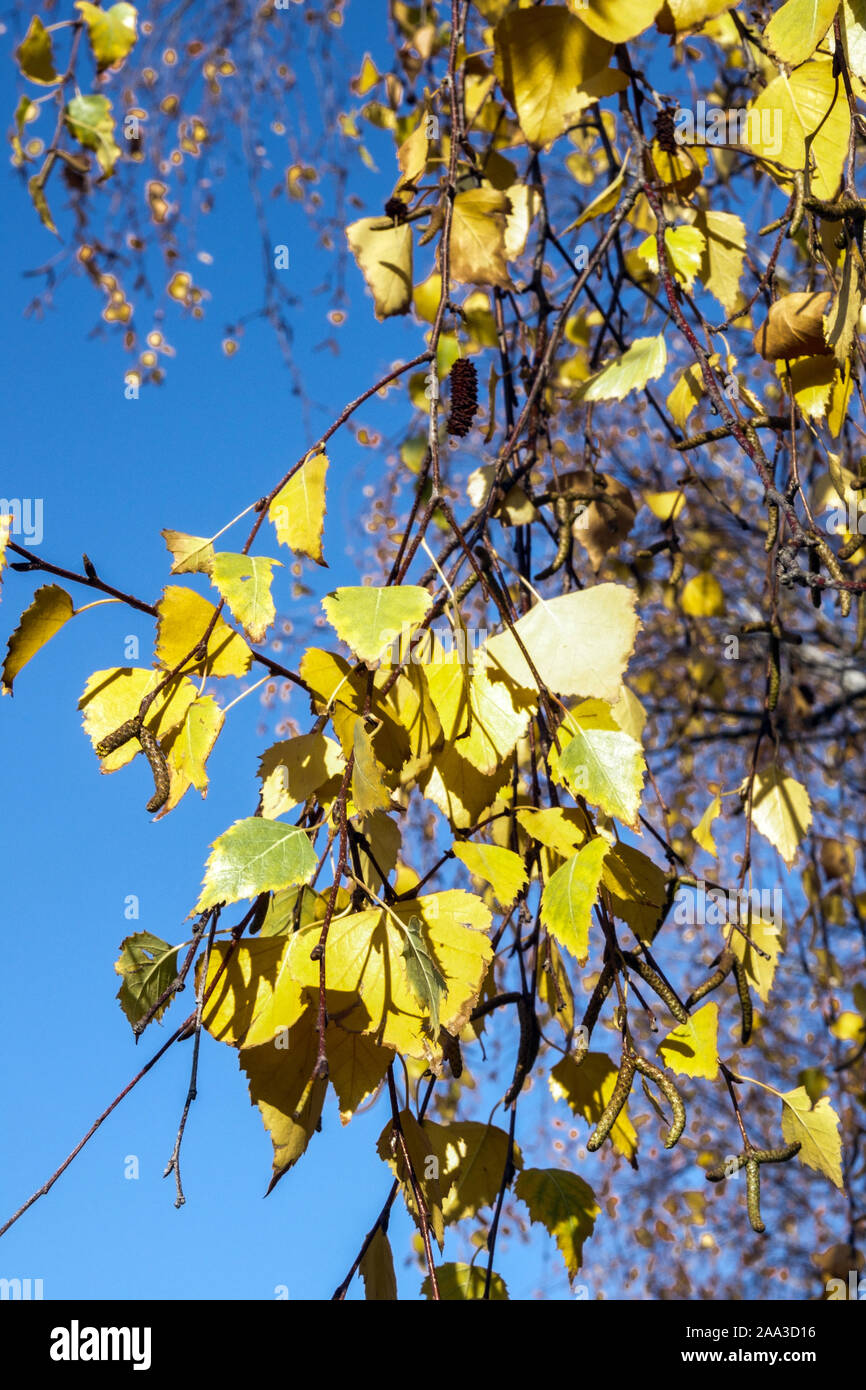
[464, 397]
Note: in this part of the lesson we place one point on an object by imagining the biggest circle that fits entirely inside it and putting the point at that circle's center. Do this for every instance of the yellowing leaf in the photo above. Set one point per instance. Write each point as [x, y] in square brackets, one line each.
[558, 829]
[112, 32]
[252, 856]
[798, 27]
[504, 870]
[478, 237]
[112, 697]
[569, 897]
[721, 264]
[282, 1086]
[50, 610]
[483, 716]
[841, 322]
[255, 1000]
[685, 246]
[703, 831]
[90, 121]
[759, 969]
[600, 762]
[383, 252]
[643, 362]
[603, 202]
[356, 1066]
[667, 506]
[542, 57]
[191, 554]
[565, 1205]
[368, 620]
[183, 619]
[147, 967]
[36, 56]
[295, 769]
[703, 596]
[637, 889]
[691, 1049]
[681, 16]
[587, 1087]
[781, 811]
[244, 581]
[617, 20]
[369, 792]
[852, 20]
[808, 102]
[418, 1144]
[367, 986]
[817, 1129]
[579, 643]
[461, 792]
[459, 1283]
[377, 1270]
[298, 510]
[412, 154]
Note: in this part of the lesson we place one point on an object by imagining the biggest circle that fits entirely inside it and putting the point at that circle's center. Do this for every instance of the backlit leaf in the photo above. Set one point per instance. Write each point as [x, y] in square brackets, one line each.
[254, 855]
[50, 610]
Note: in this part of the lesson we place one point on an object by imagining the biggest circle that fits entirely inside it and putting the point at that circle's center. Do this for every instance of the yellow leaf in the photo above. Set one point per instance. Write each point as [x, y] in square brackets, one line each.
[478, 237]
[852, 20]
[377, 1270]
[183, 617]
[383, 252]
[760, 969]
[617, 20]
[298, 510]
[191, 554]
[579, 643]
[721, 264]
[798, 27]
[255, 1000]
[600, 762]
[112, 697]
[112, 31]
[587, 1087]
[416, 1138]
[554, 986]
[542, 57]
[812, 380]
[367, 987]
[840, 325]
[369, 792]
[604, 202]
[643, 362]
[637, 888]
[809, 102]
[686, 248]
[781, 811]
[484, 716]
[244, 581]
[189, 748]
[50, 610]
[368, 620]
[558, 829]
[461, 792]
[703, 596]
[703, 831]
[691, 1049]
[570, 895]
[681, 16]
[297, 768]
[282, 1086]
[565, 1205]
[462, 1283]
[356, 1066]
[412, 154]
[817, 1129]
[504, 870]
[667, 506]
[629, 713]
[36, 56]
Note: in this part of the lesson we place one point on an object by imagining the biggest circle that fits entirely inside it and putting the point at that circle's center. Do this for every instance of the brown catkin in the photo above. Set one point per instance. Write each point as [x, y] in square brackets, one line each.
[671, 1095]
[665, 130]
[745, 999]
[657, 984]
[614, 1105]
[118, 738]
[780, 1155]
[753, 1195]
[158, 766]
[725, 966]
[464, 397]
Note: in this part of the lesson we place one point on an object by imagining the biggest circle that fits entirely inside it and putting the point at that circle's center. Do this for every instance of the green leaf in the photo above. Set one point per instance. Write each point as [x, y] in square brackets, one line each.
[369, 619]
[600, 762]
[644, 361]
[255, 855]
[36, 56]
[90, 121]
[147, 965]
[569, 896]
[112, 32]
[426, 980]
[51, 608]
[36, 189]
[458, 1283]
[565, 1205]
[244, 581]
[504, 870]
